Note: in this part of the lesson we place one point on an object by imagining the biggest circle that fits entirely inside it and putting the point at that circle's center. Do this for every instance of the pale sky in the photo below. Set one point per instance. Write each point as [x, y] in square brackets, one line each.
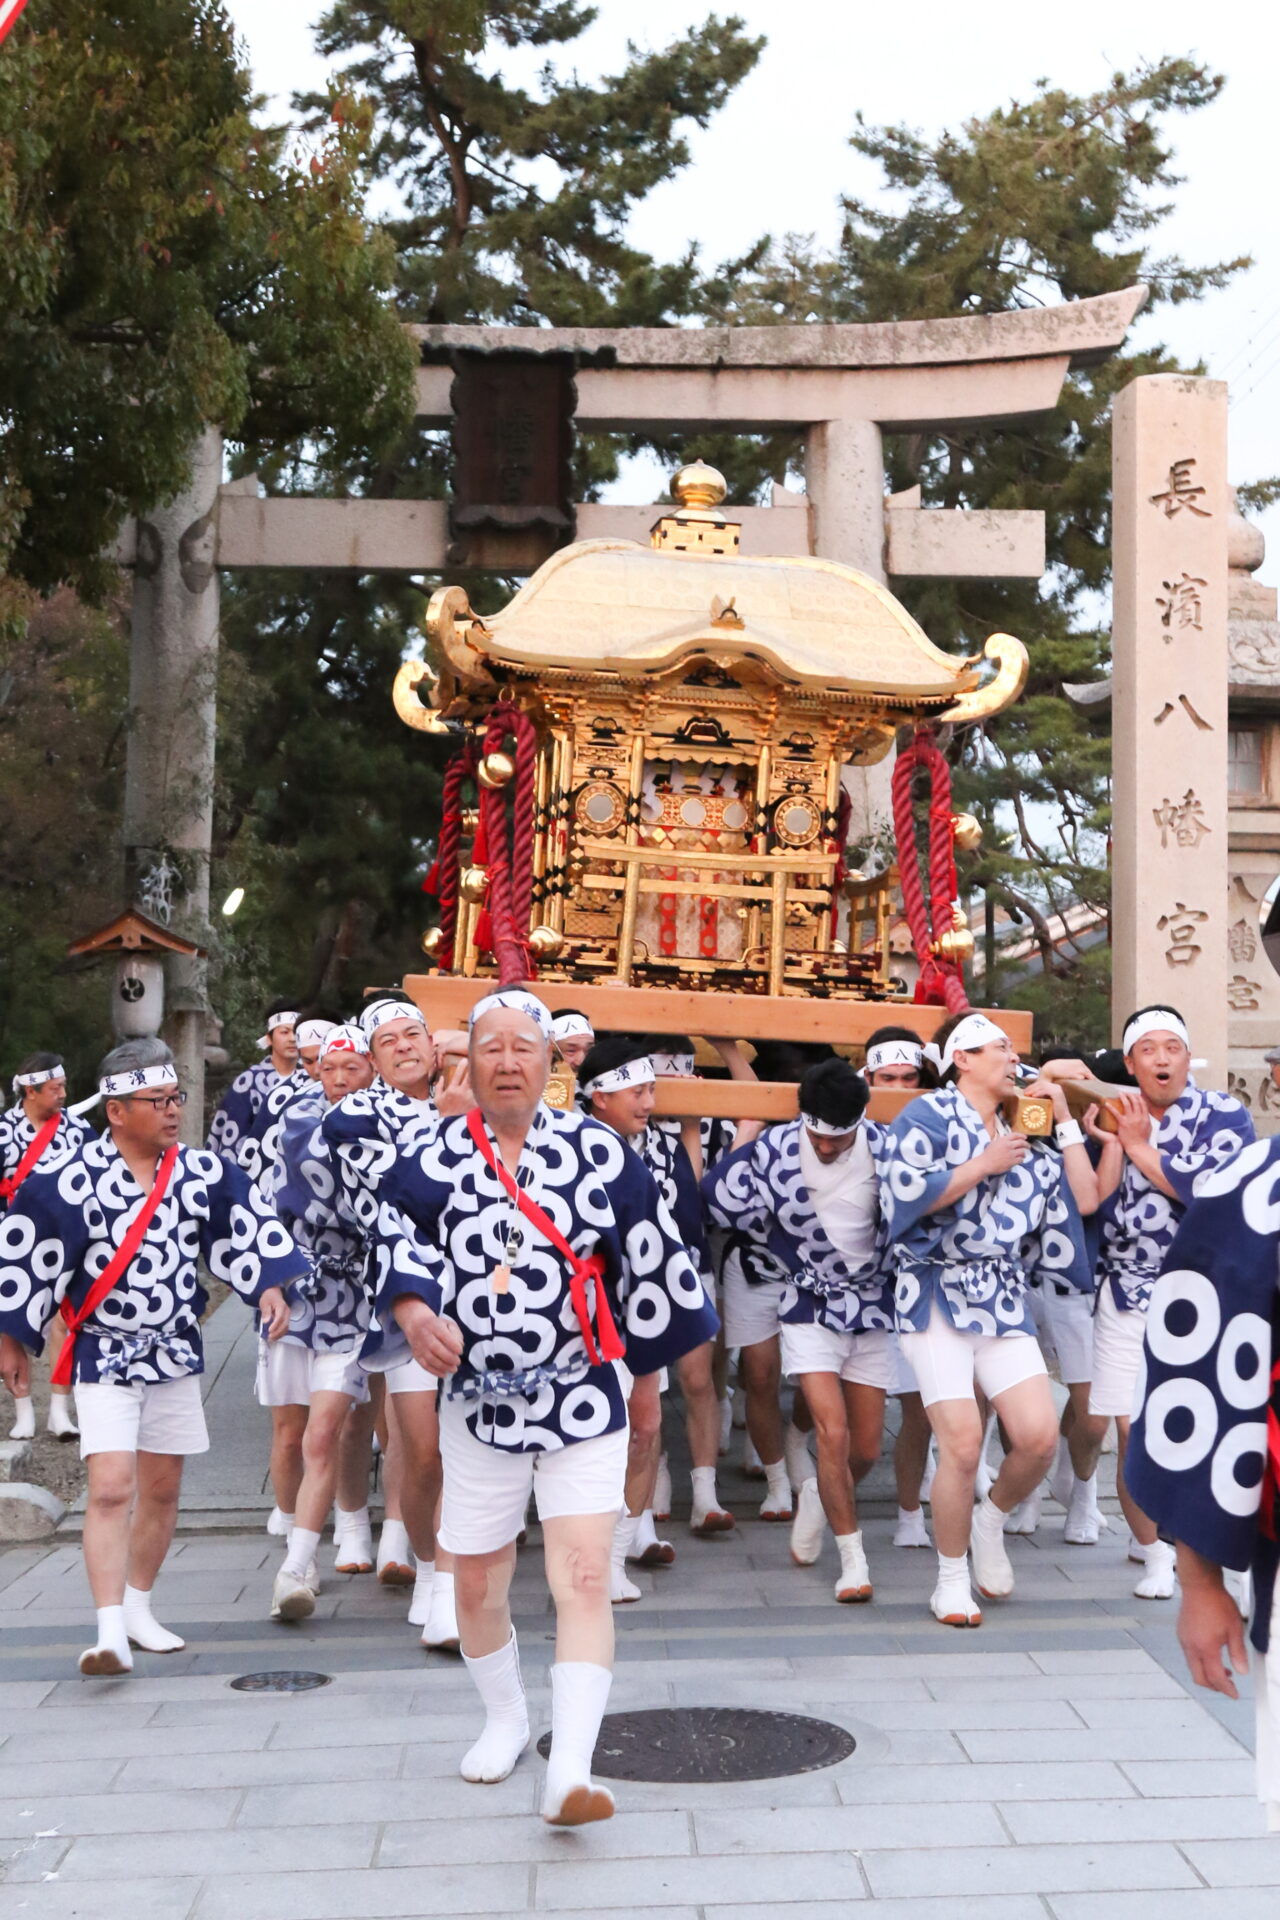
[777, 157]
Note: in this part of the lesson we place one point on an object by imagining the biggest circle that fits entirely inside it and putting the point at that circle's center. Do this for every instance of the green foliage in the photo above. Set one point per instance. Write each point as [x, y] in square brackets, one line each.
[518, 199]
[1050, 199]
[64, 675]
[168, 262]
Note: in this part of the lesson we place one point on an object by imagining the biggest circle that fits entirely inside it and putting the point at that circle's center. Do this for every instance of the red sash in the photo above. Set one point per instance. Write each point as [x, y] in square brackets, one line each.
[27, 1163]
[115, 1269]
[580, 1270]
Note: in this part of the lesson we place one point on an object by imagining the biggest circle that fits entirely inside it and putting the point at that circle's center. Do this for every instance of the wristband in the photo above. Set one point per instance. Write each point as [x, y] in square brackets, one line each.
[1069, 1133]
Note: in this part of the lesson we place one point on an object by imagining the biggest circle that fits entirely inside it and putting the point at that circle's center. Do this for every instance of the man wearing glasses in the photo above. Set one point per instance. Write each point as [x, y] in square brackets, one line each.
[112, 1235]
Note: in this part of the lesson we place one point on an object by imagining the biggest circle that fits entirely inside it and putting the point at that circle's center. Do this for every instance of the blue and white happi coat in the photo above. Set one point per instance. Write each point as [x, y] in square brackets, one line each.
[364, 1132]
[759, 1191]
[1210, 1388]
[1200, 1133]
[667, 1158]
[257, 1150]
[976, 1257]
[17, 1133]
[524, 1376]
[240, 1106]
[63, 1230]
[329, 1304]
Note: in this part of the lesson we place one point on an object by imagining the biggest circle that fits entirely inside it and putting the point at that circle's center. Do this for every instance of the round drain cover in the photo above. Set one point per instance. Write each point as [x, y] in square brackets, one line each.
[280, 1682]
[705, 1745]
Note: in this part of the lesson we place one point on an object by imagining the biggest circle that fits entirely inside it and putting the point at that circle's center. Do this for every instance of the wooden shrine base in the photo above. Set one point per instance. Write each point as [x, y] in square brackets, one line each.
[447, 999]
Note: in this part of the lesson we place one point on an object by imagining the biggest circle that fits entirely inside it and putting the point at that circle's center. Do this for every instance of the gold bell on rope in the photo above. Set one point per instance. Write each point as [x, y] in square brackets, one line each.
[496, 770]
[545, 943]
[470, 819]
[432, 941]
[966, 832]
[957, 943]
[473, 882]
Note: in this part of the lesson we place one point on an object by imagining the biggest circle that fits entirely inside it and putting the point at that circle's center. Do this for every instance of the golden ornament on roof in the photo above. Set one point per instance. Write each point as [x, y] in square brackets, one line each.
[698, 488]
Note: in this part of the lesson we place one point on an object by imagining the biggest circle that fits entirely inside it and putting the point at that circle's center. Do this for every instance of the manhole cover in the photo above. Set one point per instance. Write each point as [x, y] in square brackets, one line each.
[703, 1745]
[280, 1682]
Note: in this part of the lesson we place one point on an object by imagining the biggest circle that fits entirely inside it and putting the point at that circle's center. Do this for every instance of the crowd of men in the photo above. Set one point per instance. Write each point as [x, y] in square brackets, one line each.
[499, 1295]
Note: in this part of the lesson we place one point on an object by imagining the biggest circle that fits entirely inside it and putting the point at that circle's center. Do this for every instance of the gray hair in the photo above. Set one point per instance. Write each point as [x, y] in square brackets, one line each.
[133, 1055]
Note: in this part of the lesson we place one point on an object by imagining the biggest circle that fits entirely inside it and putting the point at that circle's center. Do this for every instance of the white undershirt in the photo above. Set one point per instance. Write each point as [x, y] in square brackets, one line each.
[845, 1198]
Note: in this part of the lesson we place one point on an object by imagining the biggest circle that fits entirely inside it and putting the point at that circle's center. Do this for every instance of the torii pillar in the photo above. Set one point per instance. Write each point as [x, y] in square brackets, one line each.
[1169, 706]
[168, 804]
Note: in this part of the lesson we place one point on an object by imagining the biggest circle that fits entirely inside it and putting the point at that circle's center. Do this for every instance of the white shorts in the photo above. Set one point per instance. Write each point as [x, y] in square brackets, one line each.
[410, 1377]
[486, 1491]
[1069, 1319]
[1117, 1356]
[904, 1381]
[863, 1359]
[750, 1312]
[288, 1375]
[164, 1417]
[283, 1377]
[946, 1362]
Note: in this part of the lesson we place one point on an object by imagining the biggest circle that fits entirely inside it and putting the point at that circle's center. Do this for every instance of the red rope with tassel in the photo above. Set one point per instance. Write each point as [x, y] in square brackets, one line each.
[461, 768]
[941, 981]
[502, 925]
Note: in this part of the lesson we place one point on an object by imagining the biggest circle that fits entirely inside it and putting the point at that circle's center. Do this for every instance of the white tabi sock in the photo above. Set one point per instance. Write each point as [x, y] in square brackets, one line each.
[952, 1602]
[1084, 1522]
[142, 1626]
[279, 1523]
[420, 1604]
[61, 1422]
[911, 1530]
[24, 1425]
[1159, 1582]
[855, 1575]
[393, 1546]
[506, 1717]
[303, 1546]
[111, 1652]
[441, 1629]
[579, 1695]
[777, 1499]
[992, 1567]
[621, 1587]
[707, 1513]
[662, 1491]
[352, 1539]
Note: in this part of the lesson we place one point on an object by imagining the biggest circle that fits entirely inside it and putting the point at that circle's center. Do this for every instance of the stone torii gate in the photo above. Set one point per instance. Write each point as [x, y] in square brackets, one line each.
[843, 387]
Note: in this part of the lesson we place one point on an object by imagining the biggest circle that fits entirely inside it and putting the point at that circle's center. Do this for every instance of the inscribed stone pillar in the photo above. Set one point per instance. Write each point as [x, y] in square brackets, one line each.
[1169, 679]
[168, 809]
[844, 480]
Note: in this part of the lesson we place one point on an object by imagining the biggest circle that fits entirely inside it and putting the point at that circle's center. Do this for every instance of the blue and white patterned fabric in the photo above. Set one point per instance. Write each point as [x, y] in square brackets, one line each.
[1197, 1135]
[329, 1305]
[240, 1106]
[667, 1158]
[976, 1257]
[256, 1150]
[524, 1375]
[759, 1191]
[364, 1132]
[1198, 1448]
[17, 1133]
[64, 1227]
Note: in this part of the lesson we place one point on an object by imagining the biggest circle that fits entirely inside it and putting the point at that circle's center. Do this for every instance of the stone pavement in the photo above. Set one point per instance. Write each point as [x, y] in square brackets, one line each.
[1053, 1763]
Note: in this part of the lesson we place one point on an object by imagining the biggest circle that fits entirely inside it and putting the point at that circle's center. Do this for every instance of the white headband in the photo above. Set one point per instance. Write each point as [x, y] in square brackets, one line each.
[1156, 1020]
[275, 1020]
[974, 1031]
[118, 1086]
[894, 1053]
[379, 1012]
[518, 1002]
[347, 1039]
[313, 1033]
[572, 1026]
[632, 1073]
[824, 1128]
[668, 1066]
[38, 1079]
